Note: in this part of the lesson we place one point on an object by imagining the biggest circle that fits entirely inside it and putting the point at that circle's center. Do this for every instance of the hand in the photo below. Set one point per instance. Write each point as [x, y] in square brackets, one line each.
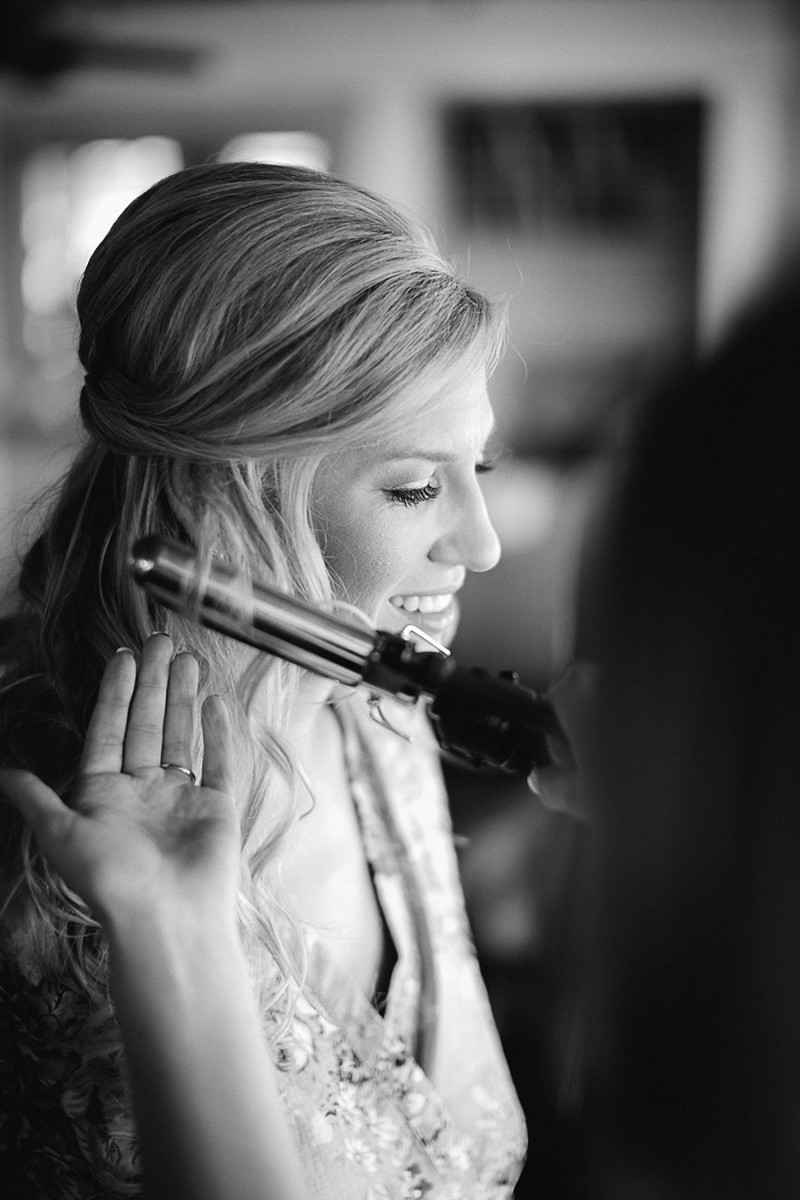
[560, 785]
[137, 837]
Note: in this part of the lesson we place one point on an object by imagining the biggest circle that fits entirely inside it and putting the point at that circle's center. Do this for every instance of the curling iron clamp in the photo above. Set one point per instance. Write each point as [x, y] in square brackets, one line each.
[479, 718]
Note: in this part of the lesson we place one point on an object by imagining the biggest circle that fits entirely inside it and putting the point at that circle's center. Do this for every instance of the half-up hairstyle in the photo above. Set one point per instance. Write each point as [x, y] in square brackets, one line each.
[238, 323]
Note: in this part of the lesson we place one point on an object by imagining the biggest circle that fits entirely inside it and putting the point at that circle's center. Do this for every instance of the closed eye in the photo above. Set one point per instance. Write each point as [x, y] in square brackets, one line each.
[411, 496]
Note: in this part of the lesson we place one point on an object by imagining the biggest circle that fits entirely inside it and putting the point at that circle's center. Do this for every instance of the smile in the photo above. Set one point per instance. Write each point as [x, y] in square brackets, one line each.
[423, 604]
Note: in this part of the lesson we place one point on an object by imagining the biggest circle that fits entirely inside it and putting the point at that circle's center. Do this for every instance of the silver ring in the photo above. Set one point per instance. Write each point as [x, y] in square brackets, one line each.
[183, 770]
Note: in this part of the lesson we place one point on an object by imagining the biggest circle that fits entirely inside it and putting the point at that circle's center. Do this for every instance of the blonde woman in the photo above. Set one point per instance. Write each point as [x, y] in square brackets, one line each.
[284, 373]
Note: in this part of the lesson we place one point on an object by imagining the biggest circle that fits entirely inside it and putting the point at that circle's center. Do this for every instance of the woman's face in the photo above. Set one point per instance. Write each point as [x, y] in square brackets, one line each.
[403, 520]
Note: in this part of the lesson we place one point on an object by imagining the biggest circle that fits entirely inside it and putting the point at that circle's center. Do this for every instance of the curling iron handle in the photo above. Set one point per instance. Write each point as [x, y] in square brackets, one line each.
[487, 720]
[483, 719]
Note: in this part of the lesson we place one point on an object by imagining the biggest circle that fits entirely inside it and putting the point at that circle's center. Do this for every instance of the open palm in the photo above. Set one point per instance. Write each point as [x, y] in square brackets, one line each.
[138, 833]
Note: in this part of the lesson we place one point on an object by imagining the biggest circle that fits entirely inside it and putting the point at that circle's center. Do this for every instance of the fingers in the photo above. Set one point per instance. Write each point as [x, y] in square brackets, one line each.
[573, 697]
[145, 733]
[143, 716]
[180, 710]
[106, 736]
[217, 746]
[560, 784]
[146, 717]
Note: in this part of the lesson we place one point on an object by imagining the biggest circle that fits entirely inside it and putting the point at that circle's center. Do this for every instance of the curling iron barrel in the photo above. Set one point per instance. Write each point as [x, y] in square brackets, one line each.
[484, 719]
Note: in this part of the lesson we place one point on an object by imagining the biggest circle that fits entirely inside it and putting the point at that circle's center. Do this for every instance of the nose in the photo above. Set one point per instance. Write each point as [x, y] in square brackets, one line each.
[470, 540]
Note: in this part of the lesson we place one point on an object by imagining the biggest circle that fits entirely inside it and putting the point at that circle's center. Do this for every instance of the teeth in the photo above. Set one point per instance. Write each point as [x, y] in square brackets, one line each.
[425, 604]
[408, 603]
[433, 603]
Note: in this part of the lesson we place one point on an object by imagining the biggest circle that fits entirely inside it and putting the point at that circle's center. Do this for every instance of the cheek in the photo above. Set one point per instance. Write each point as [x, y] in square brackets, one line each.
[372, 579]
[363, 561]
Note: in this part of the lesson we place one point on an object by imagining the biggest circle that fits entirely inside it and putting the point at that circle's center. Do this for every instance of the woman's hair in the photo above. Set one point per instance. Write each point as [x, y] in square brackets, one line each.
[237, 324]
[696, 781]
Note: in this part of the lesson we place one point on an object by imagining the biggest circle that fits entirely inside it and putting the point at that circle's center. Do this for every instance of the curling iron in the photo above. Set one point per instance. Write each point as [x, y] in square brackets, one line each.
[483, 719]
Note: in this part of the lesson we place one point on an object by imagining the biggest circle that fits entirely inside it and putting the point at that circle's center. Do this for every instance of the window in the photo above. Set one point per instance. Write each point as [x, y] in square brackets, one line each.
[70, 197]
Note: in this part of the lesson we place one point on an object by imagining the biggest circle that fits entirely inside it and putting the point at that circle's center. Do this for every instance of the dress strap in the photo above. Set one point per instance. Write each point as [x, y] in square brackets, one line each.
[396, 879]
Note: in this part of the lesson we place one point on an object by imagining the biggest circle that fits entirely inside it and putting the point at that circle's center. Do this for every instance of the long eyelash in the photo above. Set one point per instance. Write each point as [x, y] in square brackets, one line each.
[410, 497]
[483, 468]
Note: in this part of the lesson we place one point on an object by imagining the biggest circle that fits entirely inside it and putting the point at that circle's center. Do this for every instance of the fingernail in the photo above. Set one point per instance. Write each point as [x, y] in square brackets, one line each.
[124, 650]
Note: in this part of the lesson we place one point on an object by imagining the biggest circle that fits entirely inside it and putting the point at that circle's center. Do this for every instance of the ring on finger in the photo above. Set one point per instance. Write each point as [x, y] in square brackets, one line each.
[167, 766]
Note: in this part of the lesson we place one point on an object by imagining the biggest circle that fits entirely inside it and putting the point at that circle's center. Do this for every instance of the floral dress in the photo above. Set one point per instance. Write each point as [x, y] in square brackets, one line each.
[410, 1102]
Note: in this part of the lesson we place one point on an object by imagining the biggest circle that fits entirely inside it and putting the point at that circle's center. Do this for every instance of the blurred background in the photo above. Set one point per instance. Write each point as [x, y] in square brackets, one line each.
[624, 171]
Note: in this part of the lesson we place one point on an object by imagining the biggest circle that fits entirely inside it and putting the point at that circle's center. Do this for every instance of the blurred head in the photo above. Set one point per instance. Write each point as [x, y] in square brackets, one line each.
[242, 327]
[695, 777]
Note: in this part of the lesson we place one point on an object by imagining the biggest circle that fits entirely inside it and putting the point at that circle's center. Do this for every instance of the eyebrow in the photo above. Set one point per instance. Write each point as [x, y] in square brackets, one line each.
[437, 456]
[492, 444]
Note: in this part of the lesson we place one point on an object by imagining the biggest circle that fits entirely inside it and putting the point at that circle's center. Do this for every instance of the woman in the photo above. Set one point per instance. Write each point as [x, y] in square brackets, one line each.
[281, 372]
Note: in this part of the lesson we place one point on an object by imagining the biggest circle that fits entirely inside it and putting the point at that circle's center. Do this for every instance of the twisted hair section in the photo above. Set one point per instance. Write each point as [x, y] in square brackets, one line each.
[290, 309]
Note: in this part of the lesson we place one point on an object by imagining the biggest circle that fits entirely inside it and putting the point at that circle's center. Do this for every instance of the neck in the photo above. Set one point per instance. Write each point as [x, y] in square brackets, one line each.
[308, 712]
[313, 695]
